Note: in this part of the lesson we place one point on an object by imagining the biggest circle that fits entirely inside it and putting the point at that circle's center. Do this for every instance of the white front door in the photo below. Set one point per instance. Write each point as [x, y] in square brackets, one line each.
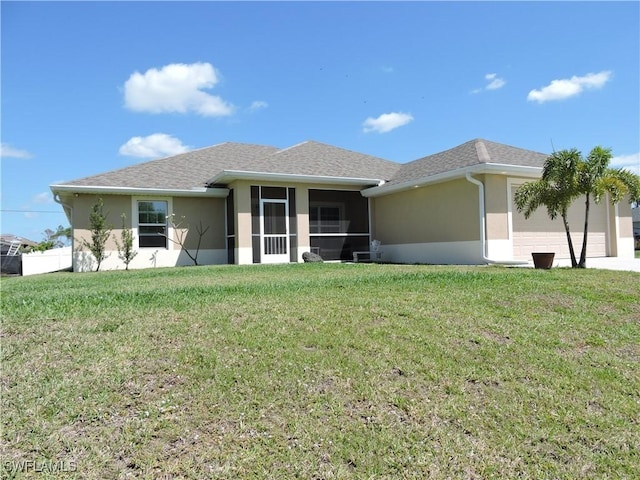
[274, 231]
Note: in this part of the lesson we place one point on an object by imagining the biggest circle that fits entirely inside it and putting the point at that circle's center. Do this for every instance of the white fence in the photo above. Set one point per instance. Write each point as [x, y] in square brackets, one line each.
[48, 261]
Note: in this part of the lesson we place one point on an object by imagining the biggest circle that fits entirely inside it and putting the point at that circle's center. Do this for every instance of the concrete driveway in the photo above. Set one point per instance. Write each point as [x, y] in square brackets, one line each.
[606, 263]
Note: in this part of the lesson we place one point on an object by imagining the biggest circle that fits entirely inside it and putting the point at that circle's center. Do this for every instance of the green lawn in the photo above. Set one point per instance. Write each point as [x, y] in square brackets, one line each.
[321, 371]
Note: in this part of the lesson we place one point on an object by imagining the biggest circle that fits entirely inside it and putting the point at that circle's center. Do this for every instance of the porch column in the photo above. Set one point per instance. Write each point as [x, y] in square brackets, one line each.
[499, 243]
[302, 213]
[244, 251]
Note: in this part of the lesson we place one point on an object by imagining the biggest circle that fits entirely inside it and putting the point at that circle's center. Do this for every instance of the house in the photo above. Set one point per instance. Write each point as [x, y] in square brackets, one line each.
[261, 204]
[12, 244]
[11, 247]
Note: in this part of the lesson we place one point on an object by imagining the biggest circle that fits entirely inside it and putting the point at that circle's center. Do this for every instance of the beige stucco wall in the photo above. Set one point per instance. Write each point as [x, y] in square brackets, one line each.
[622, 244]
[444, 212]
[302, 213]
[242, 208]
[211, 211]
[625, 218]
[114, 206]
[496, 206]
[194, 209]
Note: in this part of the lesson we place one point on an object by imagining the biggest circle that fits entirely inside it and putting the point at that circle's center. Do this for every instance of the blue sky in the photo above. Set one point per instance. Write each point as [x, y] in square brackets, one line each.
[94, 86]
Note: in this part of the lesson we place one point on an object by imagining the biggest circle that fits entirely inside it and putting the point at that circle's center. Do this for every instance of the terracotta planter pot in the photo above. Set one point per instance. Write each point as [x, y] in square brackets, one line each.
[543, 260]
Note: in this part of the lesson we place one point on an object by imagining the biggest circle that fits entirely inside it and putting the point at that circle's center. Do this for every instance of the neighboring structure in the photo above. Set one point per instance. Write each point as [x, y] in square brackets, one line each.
[265, 205]
[11, 247]
[12, 244]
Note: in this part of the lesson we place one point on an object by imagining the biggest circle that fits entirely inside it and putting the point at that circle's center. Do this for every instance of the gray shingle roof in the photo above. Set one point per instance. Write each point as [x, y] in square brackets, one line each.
[473, 152]
[9, 237]
[314, 158]
[197, 168]
[184, 171]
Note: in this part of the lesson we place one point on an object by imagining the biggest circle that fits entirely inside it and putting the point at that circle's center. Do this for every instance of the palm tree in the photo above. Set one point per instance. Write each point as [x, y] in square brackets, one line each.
[61, 233]
[567, 176]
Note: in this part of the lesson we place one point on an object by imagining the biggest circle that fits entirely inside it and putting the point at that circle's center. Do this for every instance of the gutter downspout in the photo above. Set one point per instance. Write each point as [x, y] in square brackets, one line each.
[483, 239]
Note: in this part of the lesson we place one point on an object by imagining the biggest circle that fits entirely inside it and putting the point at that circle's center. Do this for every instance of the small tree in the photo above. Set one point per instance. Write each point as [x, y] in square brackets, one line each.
[567, 176]
[126, 253]
[181, 228]
[100, 232]
[43, 246]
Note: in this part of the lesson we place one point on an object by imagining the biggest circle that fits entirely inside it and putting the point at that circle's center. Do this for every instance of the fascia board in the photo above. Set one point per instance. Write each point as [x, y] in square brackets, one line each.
[495, 168]
[227, 176]
[503, 169]
[167, 192]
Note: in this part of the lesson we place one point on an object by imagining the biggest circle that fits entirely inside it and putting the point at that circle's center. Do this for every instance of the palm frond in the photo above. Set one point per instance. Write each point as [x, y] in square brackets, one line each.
[631, 181]
[531, 195]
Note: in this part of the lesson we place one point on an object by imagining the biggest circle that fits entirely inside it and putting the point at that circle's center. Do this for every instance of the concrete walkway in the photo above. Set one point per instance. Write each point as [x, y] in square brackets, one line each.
[606, 263]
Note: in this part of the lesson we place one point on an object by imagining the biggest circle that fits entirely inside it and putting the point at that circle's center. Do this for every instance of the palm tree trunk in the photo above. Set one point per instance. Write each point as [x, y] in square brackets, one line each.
[574, 262]
[583, 254]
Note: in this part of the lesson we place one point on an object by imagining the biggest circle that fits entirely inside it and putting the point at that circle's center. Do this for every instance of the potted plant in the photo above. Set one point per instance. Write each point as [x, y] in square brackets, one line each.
[543, 259]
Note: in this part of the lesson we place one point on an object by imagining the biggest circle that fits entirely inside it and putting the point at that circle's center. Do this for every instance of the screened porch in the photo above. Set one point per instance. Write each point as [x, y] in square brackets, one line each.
[338, 223]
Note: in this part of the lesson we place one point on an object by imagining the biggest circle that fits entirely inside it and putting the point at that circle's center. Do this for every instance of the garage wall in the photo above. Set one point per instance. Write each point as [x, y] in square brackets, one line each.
[540, 233]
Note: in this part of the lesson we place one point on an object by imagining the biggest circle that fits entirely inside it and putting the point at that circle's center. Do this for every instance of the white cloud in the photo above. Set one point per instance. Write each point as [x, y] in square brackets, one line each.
[386, 122]
[7, 151]
[32, 209]
[569, 87]
[176, 88]
[628, 162]
[153, 146]
[495, 82]
[258, 105]
[43, 198]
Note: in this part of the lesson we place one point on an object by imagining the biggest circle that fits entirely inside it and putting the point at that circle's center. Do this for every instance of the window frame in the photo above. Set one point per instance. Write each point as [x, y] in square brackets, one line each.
[329, 227]
[136, 222]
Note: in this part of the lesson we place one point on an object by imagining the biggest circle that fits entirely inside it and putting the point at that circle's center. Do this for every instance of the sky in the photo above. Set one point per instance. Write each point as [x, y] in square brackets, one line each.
[89, 87]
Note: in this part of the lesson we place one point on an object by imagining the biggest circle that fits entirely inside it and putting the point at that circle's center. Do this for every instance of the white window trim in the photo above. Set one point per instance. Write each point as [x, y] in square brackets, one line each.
[135, 221]
[339, 205]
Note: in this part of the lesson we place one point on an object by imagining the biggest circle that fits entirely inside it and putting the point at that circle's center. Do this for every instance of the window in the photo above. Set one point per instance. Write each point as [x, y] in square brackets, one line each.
[152, 223]
[325, 218]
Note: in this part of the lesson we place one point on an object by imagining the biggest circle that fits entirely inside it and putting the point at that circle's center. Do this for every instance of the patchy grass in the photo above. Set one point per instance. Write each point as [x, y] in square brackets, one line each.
[321, 371]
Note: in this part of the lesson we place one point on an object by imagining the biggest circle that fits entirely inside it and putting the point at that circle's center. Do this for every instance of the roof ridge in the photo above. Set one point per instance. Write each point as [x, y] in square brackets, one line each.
[334, 147]
[457, 147]
[482, 152]
[500, 144]
[291, 147]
